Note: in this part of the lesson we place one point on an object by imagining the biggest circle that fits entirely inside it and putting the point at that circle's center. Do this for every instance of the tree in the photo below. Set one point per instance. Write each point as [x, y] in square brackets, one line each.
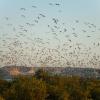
[25, 88]
[1, 98]
[95, 93]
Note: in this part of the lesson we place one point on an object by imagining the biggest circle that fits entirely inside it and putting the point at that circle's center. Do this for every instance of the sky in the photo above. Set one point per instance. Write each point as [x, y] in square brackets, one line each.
[15, 21]
[76, 8]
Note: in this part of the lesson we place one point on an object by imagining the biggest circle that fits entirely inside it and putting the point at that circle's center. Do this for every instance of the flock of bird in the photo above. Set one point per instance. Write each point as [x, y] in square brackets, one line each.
[59, 45]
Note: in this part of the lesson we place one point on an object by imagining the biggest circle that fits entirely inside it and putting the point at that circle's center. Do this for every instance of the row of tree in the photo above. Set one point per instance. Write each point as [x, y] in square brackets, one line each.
[44, 86]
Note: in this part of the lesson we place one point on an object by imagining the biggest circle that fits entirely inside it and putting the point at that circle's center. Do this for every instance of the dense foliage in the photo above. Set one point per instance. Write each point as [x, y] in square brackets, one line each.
[44, 86]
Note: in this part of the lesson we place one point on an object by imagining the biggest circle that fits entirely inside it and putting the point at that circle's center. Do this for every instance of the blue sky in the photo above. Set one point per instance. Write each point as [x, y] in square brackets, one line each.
[86, 11]
[71, 7]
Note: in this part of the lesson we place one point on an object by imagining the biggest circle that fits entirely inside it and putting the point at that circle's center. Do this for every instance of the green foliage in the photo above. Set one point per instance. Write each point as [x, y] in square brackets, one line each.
[4, 85]
[95, 93]
[1, 98]
[25, 88]
[44, 86]
[57, 93]
[42, 74]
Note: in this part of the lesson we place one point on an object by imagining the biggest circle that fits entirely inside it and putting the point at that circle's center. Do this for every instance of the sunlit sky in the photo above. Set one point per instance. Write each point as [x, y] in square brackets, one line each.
[12, 18]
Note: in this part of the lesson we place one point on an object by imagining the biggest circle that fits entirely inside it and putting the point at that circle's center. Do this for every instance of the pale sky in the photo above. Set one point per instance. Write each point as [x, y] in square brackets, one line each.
[16, 22]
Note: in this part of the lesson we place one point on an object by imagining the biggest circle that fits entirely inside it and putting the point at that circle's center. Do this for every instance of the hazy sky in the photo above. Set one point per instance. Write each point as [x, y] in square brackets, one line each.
[71, 8]
[85, 11]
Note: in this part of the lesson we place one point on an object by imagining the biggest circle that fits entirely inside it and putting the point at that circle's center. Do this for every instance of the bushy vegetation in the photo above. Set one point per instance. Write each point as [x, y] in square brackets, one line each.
[44, 86]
